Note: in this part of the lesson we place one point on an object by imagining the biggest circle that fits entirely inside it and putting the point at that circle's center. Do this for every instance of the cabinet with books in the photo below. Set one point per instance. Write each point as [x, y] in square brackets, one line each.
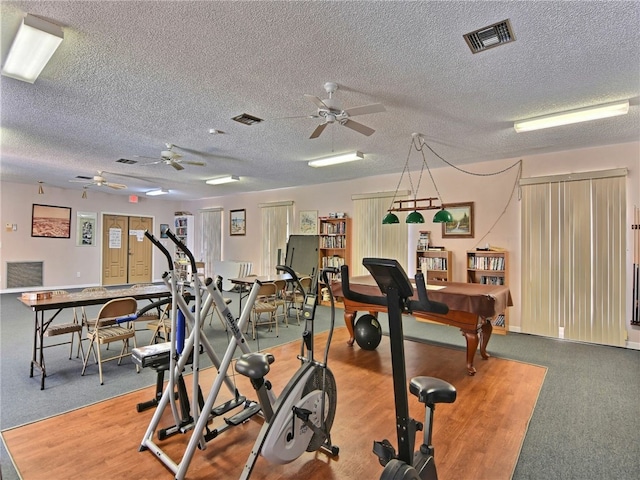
[490, 268]
[435, 264]
[335, 243]
[184, 230]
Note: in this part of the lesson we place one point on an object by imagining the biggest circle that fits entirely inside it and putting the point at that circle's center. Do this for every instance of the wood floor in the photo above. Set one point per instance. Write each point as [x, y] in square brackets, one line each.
[477, 437]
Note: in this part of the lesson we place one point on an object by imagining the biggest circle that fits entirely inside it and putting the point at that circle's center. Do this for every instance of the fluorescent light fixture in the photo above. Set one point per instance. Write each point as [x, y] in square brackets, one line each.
[573, 116]
[221, 180]
[35, 43]
[159, 191]
[347, 157]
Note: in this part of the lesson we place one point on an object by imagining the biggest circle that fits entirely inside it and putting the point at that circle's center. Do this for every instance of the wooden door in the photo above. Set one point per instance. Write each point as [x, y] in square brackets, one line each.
[115, 249]
[140, 250]
[125, 259]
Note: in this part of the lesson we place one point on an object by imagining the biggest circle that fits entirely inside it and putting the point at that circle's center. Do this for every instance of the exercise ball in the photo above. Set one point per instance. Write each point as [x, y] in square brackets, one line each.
[368, 332]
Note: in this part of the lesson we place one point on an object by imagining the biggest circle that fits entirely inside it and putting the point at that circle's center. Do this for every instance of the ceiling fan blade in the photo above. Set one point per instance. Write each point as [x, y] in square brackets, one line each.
[153, 163]
[296, 116]
[365, 109]
[316, 133]
[115, 186]
[176, 165]
[196, 164]
[319, 103]
[358, 127]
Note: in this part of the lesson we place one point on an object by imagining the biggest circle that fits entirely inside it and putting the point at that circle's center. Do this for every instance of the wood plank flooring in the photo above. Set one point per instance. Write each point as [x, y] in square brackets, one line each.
[477, 437]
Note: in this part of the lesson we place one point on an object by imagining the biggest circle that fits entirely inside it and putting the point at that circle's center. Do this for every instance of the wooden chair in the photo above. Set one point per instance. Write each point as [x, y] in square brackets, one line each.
[73, 327]
[281, 302]
[264, 304]
[105, 331]
[161, 325]
[84, 320]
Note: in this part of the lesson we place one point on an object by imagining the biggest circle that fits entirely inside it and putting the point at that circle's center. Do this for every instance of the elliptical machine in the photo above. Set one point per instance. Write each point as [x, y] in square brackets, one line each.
[397, 291]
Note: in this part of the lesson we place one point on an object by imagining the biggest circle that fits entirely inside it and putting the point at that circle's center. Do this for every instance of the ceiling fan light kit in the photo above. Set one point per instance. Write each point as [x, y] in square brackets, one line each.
[159, 191]
[336, 159]
[573, 116]
[32, 48]
[222, 180]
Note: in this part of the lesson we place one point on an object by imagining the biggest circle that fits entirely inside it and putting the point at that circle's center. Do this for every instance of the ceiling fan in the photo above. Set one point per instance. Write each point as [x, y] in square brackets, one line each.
[99, 181]
[174, 159]
[330, 110]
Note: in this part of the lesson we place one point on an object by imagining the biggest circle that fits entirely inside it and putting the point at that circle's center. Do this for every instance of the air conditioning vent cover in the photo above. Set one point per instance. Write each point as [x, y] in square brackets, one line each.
[247, 119]
[489, 37]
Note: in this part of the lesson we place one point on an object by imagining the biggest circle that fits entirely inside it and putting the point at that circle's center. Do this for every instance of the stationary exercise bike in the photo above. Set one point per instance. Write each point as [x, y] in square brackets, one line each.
[397, 290]
[302, 415]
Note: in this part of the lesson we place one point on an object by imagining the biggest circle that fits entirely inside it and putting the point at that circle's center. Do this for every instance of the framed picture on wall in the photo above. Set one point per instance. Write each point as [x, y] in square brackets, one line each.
[85, 229]
[462, 224]
[50, 221]
[309, 222]
[163, 230]
[237, 222]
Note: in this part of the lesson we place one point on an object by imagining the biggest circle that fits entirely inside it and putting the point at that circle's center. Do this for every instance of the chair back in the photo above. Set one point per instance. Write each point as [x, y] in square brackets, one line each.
[281, 285]
[118, 307]
[267, 290]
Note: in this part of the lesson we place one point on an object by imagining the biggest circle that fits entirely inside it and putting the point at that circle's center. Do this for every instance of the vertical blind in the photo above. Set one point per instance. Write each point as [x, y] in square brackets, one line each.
[573, 257]
[276, 225]
[210, 238]
[371, 238]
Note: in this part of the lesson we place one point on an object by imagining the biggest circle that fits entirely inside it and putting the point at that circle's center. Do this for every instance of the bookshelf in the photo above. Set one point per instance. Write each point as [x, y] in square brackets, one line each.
[491, 268]
[335, 245]
[435, 264]
[184, 229]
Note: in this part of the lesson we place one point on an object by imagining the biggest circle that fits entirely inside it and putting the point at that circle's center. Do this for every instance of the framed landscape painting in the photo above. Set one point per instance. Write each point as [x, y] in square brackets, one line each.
[309, 222]
[237, 222]
[50, 221]
[462, 224]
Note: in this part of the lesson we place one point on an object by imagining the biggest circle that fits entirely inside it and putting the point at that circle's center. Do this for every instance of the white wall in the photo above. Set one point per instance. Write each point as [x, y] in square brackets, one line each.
[62, 258]
[490, 195]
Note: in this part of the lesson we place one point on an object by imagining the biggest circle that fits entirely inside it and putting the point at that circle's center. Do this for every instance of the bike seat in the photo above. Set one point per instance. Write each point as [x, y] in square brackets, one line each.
[431, 390]
[254, 365]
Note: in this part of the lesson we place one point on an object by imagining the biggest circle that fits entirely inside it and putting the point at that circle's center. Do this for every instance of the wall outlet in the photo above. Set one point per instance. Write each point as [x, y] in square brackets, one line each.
[560, 332]
[78, 274]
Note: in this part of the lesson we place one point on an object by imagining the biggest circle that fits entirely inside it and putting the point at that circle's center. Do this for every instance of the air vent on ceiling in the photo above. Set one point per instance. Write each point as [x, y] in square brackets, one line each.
[489, 37]
[127, 161]
[247, 119]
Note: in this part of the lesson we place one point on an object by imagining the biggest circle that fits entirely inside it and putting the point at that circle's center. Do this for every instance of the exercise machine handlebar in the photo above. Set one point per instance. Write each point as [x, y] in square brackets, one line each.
[161, 247]
[184, 248]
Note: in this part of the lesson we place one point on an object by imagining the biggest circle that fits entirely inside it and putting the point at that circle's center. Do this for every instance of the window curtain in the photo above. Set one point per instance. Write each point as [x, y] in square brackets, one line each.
[276, 225]
[373, 239]
[573, 257]
[210, 238]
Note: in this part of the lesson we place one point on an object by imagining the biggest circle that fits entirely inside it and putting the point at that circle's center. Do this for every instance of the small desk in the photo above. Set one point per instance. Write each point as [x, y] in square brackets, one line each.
[243, 282]
[77, 299]
[470, 307]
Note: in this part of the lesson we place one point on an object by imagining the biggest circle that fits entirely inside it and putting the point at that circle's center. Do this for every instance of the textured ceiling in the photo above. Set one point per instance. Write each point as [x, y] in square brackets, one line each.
[131, 76]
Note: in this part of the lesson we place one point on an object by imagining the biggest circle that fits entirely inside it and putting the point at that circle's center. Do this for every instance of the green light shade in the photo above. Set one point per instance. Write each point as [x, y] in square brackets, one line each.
[415, 217]
[390, 218]
[442, 217]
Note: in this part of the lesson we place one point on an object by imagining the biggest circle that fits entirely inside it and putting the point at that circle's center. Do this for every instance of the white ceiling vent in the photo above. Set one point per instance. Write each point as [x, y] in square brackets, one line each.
[489, 37]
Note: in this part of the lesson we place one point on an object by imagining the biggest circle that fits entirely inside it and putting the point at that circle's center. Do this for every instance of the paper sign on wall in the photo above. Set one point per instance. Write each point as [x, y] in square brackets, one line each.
[139, 234]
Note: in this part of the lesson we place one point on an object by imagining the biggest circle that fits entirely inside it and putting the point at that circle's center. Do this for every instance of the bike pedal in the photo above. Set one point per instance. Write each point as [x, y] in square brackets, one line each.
[384, 451]
[230, 405]
[243, 416]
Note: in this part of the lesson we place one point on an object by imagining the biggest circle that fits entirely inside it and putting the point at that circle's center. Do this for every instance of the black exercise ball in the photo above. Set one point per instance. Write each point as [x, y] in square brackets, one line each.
[368, 332]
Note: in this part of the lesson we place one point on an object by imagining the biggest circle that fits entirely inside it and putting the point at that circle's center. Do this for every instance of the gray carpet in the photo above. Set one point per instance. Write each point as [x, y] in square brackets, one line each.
[586, 424]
